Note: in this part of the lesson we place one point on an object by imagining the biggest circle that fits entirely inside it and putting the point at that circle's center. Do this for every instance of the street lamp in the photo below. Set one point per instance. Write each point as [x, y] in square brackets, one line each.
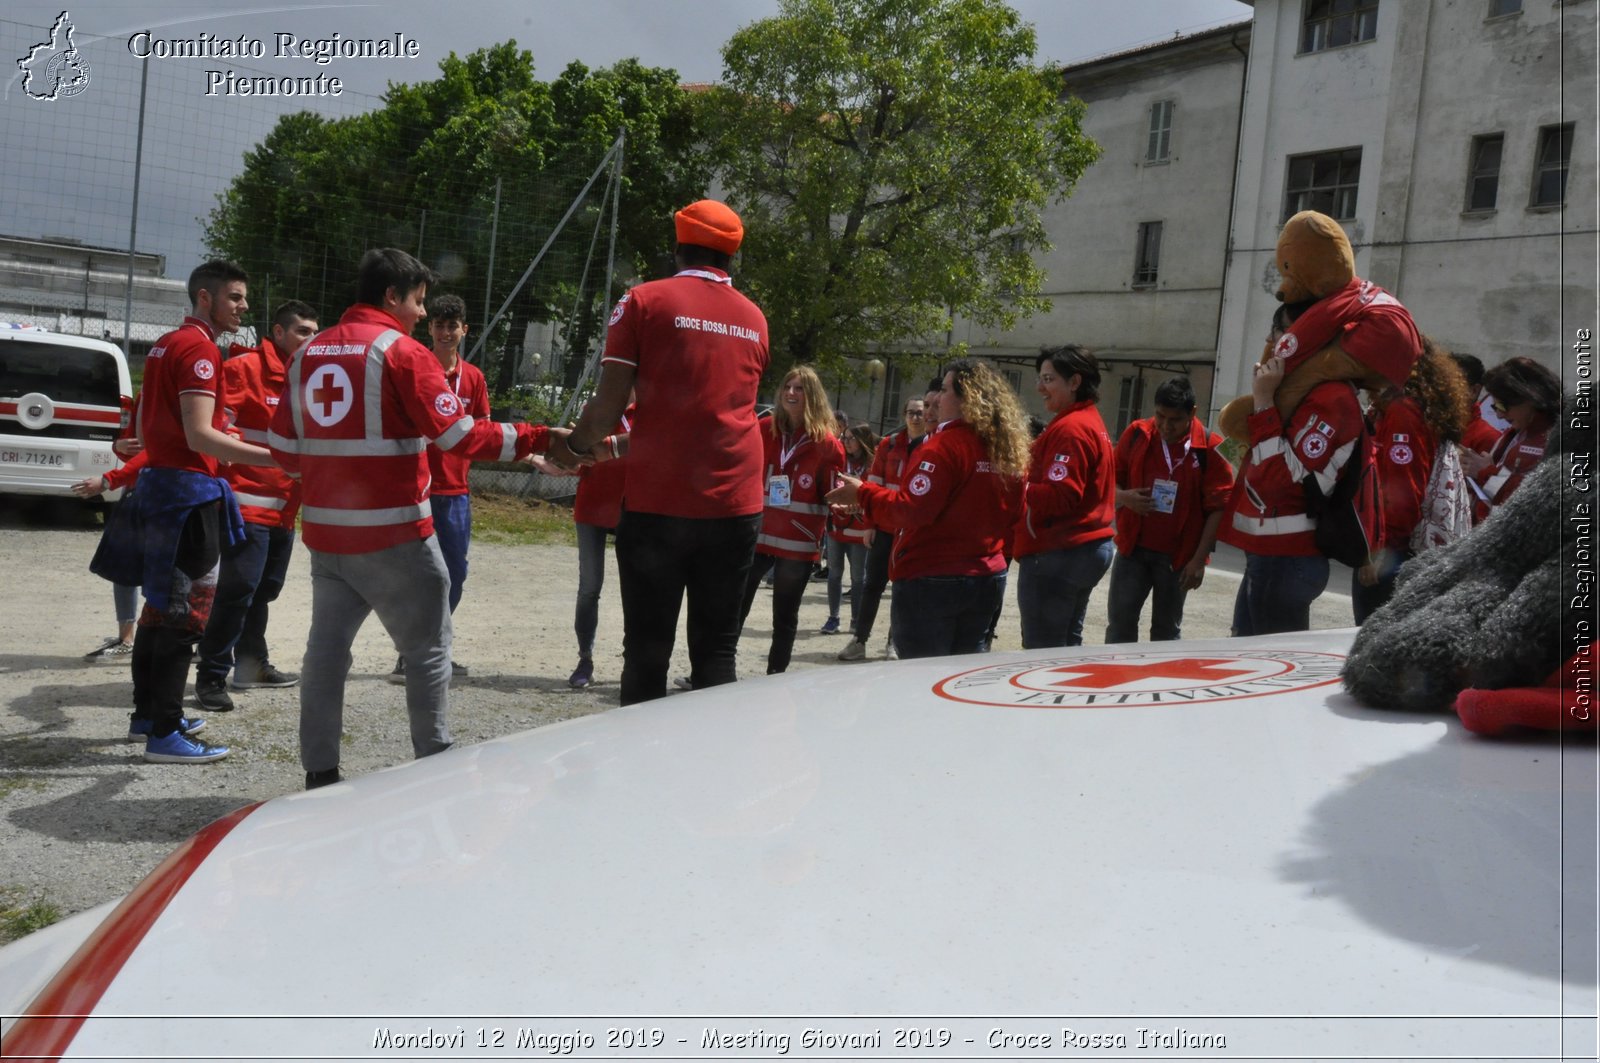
[874, 374]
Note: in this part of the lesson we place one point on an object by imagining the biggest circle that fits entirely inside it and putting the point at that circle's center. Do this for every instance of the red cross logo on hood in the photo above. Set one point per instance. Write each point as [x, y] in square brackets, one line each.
[1106, 676]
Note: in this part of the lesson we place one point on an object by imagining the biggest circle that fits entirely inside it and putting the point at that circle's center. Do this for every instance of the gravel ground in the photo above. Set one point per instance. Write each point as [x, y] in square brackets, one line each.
[83, 817]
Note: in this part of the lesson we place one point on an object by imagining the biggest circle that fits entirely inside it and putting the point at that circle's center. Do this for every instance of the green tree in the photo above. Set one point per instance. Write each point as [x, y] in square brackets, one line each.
[420, 173]
[891, 160]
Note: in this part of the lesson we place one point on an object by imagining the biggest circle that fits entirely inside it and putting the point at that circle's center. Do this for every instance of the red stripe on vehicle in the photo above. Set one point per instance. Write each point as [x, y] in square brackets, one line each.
[53, 1019]
[90, 413]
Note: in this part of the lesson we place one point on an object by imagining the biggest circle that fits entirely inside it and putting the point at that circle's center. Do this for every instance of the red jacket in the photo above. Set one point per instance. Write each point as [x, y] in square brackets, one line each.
[953, 513]
[1479, 435]
[1071, 491]
[1513, 457]
[362, 404]
[795, 531]
[1405, 448]
[854, 528]
[1267, 514]
[1203, 475]
[252, 382]
[126, 474]
[599, 500]
[449, 467]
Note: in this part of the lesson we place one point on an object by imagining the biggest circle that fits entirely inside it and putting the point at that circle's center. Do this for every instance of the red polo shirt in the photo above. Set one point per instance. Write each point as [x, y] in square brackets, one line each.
[185, 361]
[698, 348]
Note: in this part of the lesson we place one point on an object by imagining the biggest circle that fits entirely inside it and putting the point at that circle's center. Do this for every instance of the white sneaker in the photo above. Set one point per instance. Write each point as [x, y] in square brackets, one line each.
[854, 650]
[113, 651]
[890, 654]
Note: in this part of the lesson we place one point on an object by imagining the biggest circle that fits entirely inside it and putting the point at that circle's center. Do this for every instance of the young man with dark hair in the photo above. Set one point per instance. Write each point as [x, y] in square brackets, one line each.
[450, 497]
[694, 350]
[363, 402]
[1173, 487]
[252, 573]
[182, 513]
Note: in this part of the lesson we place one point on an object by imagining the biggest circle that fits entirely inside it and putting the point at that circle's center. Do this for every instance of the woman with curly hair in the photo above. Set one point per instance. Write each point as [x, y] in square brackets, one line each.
[1409, 428]
[953, 515]
[802, 456]
[1064, 543]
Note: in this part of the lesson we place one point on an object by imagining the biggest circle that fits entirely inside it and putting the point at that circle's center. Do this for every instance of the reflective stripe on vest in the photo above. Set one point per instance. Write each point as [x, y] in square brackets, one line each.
[1291, 525]
[349, 448]
[798, 546]
[366, 518]
[260, 501]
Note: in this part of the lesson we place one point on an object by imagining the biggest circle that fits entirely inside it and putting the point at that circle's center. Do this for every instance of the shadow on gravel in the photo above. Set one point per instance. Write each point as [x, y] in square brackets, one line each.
[43, 752]
[48, 704]
[27, 662]
[97, 813]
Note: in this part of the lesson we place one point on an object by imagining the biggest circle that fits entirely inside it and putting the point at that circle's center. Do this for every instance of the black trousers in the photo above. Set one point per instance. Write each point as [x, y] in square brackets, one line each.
[164, 642]
[877, 581]
[661, 561]
[789, 580]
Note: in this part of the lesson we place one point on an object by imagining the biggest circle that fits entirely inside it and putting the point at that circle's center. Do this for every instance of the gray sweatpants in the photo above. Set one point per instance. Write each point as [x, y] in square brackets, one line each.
[409, 588]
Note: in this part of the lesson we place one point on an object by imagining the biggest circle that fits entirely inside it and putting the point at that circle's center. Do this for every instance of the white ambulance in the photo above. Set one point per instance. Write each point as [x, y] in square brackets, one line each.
[63, 400]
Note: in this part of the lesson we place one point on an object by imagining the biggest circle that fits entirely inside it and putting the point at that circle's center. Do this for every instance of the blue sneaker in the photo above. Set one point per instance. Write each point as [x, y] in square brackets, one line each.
[831, 627]
[139, 730]
[179, 748]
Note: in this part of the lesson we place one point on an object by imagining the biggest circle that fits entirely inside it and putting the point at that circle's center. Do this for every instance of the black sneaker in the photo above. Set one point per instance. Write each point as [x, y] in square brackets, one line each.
[398, 676]
[267, 675]
[326, 777]
[459, 671]
[212, 694]
[582, 675]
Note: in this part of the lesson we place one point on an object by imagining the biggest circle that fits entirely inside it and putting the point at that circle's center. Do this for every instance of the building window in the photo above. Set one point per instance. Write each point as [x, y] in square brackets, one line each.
[1335, 23]
[1160, 141]
[1013, 377]
[1550, 165]
[1497, 8]
[1325, 181]
[1130, 402]
[1483, 174]
[1147, 256]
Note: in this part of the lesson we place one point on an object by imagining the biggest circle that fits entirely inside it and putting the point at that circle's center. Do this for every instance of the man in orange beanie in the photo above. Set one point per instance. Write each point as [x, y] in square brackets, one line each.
[693, 350]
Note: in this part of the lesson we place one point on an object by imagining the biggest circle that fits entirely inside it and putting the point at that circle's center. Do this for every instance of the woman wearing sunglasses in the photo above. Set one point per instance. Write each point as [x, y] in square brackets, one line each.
[1528, 396]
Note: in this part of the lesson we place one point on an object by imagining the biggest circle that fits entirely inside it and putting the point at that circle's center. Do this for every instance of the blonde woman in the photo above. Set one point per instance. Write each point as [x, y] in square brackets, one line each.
[802, 457]
[953, 514]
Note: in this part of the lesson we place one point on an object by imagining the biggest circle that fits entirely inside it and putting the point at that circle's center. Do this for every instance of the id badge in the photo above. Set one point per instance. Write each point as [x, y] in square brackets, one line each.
[1164, 494]
[778, 493]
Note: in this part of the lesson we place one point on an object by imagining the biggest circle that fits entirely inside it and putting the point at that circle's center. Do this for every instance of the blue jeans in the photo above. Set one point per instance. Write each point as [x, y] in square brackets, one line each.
[1053, 591]
[452, 523]
[591, 578]
[663, 560]
[937, 616]
[837, 551]
[1133, 577]
[248, 583]
[1276, 594]
[125, 597]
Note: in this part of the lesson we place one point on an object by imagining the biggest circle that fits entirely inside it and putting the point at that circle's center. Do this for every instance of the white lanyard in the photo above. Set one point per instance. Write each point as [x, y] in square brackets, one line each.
[1167, 454]
[705, 275]
[785, 453]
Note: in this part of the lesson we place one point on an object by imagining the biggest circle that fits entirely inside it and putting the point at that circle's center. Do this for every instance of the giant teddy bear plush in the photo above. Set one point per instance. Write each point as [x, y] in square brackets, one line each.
[1346, 328]
[1484, 625]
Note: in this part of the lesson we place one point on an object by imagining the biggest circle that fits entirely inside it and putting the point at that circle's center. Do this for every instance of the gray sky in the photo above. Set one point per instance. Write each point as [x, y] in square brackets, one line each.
[68, 163]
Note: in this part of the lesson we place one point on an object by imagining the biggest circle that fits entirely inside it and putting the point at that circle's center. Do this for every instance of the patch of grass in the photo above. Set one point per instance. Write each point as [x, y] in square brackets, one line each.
[20, 916]
[512, 521]
[13, 785]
